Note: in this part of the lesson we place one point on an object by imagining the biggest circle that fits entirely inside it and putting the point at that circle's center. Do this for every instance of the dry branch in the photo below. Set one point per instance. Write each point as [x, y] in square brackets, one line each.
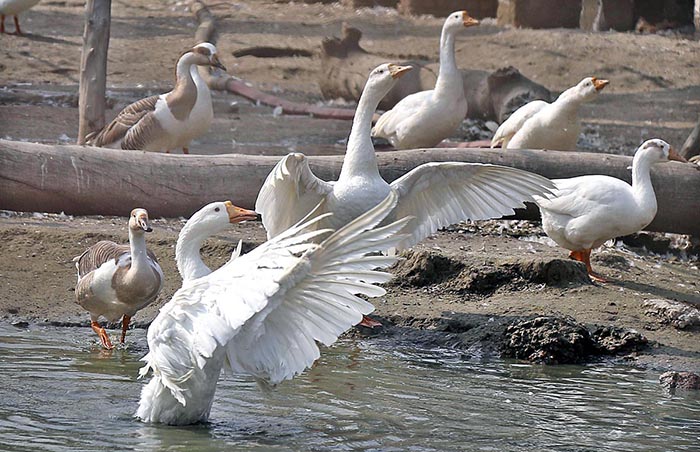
[87, 180]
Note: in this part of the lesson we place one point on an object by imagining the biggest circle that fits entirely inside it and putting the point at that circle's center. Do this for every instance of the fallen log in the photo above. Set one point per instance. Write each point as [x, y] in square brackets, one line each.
[83, 180]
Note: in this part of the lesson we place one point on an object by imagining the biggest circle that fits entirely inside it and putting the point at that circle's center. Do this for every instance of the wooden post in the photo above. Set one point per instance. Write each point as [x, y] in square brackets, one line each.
[696, 15]
[93, 67]
[691, 147]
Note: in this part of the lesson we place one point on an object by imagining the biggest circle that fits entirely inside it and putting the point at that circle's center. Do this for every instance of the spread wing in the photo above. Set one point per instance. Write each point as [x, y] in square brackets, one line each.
[440, 194]
[388, 124]
[126, 125]
[269, 307]
[515, 122]
[290, 191]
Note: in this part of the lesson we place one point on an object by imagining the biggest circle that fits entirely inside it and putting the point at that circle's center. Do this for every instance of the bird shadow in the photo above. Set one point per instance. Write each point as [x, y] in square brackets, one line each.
[46, 39]
[655, 290]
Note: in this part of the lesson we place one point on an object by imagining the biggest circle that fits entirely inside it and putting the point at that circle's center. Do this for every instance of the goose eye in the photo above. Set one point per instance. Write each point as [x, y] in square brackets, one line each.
[216, 209]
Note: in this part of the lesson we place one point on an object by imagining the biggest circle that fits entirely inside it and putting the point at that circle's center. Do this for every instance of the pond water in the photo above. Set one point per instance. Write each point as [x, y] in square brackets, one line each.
[60, 392]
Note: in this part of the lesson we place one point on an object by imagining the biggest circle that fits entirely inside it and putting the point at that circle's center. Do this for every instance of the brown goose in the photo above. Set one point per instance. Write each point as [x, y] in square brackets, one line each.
[115, 281]
[168, 121]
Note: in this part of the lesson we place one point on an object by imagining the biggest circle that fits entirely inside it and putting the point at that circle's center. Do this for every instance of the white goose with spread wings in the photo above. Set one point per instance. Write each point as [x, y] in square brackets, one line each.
[435, 194]
[426, 118]
[263, 313]
[168, 121]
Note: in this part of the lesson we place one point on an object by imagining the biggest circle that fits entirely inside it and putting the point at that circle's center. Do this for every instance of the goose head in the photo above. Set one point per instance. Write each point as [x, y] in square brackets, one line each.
[459, 20]
[588, 88]
[216, 216]
[138, 221]
[657, 151]
[382, 78]
[203, 54]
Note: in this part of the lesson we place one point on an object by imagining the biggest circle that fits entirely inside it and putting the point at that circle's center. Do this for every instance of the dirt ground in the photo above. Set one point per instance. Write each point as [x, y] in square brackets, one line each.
[654, 92]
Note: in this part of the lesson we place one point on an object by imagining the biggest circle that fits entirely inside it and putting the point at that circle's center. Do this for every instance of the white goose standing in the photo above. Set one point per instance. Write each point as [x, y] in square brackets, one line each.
[426, 118]
[263, 313]
[584, 212]
[116, 281]
[435, 194]
[541, 125]
[171, 120]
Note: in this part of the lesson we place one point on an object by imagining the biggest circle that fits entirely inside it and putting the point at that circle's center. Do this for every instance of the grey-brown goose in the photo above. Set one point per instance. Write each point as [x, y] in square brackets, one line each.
[115, 281]
[171, 120]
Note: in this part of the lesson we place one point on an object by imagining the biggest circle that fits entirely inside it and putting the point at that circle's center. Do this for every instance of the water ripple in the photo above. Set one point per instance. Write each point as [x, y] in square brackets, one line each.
[62, 393]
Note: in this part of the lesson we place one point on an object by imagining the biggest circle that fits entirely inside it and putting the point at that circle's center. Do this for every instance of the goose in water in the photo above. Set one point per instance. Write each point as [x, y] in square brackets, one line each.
[14, 8]
[263, 313]
[541, 125]
[435, 194]
[586, 211]
[426, 118]
[168, 121]
[115, 281]
[207, 221]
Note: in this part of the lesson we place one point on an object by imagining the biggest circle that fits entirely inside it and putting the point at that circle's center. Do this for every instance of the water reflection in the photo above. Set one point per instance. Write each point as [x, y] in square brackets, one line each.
[61, 392]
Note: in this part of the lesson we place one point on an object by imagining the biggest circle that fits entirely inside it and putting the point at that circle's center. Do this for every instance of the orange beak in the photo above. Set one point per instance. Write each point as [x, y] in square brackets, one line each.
[237, 214]
[673, 155]
[468, 20]
[397, 71]
[599, 84]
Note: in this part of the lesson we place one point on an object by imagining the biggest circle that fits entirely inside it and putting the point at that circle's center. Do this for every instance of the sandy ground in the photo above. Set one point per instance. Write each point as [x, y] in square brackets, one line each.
[654, 92]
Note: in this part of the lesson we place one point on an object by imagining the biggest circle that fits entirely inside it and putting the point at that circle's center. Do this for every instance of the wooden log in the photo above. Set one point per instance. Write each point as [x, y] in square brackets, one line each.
[84, 180]
[93, 68]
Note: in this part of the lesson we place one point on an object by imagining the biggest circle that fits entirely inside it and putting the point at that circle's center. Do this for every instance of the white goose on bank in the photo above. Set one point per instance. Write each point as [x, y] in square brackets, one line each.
[435, 194]
[586, 211]
[14, 8]
[116, 281]
[168, 121]
[541, 125]
[263, 313]
[207, 221]
[426, 118]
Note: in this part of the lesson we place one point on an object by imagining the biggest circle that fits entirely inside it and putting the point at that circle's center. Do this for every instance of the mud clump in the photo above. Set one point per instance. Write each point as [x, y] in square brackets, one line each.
[610, 340]
[486, 280]
[423, 268]
[420, 269]
[680, 380]
[555, 340]
[548, 340]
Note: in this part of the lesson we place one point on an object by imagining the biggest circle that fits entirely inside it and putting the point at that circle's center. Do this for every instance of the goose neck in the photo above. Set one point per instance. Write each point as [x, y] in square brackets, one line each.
[187, 253]
[641, 181]
[449, 77]
[360, 155]
[137, 245]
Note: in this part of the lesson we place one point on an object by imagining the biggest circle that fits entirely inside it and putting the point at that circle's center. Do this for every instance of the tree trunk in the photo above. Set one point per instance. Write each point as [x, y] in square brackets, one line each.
[696, 15]
[83, 180]
[93, 67]
[691, 147]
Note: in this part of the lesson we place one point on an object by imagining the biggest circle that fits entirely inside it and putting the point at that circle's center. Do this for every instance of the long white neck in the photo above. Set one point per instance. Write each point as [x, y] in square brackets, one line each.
[139, 255]
[189, 260]
[360, 157]
[641, 182]
[184, 72]
[449, 79]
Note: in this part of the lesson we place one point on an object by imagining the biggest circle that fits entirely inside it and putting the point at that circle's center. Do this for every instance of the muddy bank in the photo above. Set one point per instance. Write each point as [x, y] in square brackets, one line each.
[495, 288]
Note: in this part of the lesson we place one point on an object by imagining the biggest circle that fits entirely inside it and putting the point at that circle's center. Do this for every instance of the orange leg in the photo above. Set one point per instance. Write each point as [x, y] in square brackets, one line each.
[369, 322]
[106, 343]
[125, 326]
[18, 31]
[185, 150]
[593, 275]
